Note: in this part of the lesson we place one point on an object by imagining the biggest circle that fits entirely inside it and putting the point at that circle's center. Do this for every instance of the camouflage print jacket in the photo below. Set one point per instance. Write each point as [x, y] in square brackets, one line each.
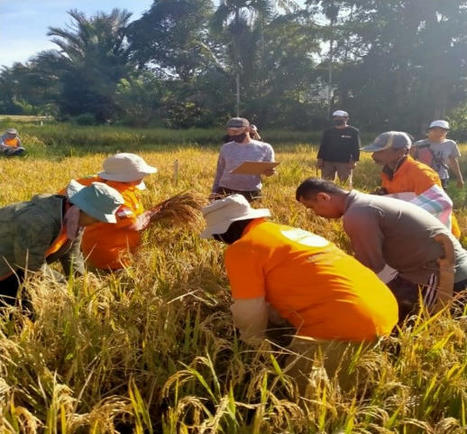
[28, 229]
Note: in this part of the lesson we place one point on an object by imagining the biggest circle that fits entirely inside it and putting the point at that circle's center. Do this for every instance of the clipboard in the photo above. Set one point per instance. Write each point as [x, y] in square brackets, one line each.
[254, 167]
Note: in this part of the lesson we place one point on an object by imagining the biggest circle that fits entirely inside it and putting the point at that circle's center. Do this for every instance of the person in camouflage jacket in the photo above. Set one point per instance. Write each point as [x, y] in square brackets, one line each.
[47, 229]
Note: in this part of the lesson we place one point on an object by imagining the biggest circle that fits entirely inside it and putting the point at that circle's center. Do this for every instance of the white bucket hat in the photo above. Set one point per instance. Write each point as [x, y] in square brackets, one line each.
[126, 167]
[340, 114]
[440, 124]
[98, 200]
[221, 213]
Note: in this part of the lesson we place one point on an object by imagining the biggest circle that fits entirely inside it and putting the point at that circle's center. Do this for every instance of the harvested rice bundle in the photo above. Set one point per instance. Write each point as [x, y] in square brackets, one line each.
[183, 208]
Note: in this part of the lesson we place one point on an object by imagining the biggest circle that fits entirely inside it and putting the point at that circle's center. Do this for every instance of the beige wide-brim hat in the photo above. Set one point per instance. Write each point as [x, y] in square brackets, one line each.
[126, 167]
[221, 213]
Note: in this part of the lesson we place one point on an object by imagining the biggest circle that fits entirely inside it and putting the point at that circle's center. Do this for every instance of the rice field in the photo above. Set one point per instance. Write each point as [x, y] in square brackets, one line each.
[152, 349]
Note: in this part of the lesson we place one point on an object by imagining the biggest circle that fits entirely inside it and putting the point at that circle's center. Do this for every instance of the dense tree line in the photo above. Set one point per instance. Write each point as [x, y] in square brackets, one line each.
[392, 64]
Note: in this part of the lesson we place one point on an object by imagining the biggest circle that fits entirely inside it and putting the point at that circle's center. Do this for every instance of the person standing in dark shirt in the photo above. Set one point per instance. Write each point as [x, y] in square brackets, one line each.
[339, 149]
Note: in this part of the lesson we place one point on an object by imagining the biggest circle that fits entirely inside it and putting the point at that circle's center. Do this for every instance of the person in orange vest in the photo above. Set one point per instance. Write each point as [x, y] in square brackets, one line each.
[10, 143]
[407, 179]
[47, 229]
[109, 247]
[323, 292]
[281, 273]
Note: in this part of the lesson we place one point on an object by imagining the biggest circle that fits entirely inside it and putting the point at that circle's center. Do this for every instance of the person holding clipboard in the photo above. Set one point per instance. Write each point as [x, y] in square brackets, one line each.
[241, 163]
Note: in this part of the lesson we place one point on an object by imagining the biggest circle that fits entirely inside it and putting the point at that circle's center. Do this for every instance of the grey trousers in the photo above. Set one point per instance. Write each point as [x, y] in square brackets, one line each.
[330, 168]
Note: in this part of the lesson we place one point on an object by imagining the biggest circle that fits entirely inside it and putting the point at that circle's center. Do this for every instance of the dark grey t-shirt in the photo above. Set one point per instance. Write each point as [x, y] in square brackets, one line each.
[390, 231]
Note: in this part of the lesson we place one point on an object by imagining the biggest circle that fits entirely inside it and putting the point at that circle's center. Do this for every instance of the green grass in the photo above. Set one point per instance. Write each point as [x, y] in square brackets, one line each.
[152, 349]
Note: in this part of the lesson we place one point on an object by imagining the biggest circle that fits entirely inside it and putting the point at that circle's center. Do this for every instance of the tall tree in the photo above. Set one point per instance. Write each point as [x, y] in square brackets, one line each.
[406, 62]
[172, 36]
[235, 22]
[92, 59]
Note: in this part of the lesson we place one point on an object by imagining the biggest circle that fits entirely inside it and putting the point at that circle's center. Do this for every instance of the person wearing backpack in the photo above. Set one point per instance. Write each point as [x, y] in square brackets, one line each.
[439, 152]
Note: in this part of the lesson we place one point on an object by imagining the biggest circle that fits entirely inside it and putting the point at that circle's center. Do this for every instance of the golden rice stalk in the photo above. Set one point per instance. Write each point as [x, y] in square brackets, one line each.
[183, 208]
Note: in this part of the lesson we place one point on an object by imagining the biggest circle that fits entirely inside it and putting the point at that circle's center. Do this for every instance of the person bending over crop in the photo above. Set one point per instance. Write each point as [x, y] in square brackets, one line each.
[305, 279]
[407, 247]
[10, 143]
[407, 179]
[240, 148]
[107, 246]
[47, 228]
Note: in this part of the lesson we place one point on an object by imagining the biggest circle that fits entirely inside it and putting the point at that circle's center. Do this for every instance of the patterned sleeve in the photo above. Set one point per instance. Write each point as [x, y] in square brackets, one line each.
[436, 202]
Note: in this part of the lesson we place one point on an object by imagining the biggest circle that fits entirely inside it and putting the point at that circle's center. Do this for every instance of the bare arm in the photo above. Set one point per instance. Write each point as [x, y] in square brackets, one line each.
[454, 165]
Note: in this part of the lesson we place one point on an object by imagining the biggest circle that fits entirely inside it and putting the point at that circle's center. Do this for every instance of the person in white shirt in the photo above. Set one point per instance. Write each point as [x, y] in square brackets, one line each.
[439, 152]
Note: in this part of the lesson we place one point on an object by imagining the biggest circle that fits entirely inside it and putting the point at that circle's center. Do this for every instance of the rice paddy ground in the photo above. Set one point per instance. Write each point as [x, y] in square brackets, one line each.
[152, 349]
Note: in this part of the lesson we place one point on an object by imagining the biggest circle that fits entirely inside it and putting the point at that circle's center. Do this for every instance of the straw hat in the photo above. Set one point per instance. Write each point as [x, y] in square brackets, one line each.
[221, 213]
[12, 131]
[98, 200]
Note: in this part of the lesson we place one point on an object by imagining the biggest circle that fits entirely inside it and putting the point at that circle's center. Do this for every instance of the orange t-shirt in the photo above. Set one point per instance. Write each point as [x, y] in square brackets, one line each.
[106, 245]
[414, 176]
[322, 291]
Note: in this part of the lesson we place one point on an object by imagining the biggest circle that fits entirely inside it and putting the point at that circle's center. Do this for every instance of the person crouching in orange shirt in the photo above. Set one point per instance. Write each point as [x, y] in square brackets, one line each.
[404, 178]
[273, 269]
[106, 246]
[10, 143]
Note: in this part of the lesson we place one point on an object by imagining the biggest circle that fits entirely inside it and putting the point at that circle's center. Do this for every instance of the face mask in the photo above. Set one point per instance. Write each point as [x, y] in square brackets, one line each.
[339, 122]
[239, 138]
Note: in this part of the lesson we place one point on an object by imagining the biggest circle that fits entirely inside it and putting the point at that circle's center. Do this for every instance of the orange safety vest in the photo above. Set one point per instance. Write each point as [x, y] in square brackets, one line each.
[14, 142]
[414, 176]
[58, 243]
[107, 245]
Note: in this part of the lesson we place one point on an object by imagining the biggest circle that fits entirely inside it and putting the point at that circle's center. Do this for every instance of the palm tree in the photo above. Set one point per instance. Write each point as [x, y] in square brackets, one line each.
[103, 33]
[93, 58]
[236, 20]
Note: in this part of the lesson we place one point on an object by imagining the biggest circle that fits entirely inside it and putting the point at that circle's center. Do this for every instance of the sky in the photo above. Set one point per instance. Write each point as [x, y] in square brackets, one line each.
[23, 32]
